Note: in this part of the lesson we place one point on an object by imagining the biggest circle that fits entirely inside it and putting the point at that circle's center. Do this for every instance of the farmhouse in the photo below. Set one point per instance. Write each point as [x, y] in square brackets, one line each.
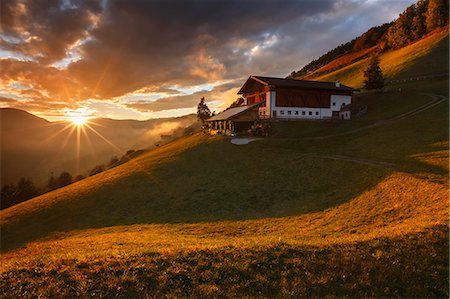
[297, 99]
[284, 99]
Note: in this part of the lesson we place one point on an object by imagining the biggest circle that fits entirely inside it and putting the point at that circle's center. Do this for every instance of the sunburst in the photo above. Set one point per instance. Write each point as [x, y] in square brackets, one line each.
[78, 120]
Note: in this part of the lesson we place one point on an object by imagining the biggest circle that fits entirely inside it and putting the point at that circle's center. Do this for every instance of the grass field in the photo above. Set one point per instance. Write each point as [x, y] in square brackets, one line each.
[428, 56]
[340, 216]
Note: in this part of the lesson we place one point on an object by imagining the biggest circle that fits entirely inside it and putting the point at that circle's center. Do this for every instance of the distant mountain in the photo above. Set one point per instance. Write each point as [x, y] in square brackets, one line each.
[34, 147]
[15, 119]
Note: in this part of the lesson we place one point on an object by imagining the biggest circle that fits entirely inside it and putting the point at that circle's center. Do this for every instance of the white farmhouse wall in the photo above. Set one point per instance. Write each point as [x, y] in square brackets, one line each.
[299, 112]
[271, 97]
[302, 112]
[338, 100]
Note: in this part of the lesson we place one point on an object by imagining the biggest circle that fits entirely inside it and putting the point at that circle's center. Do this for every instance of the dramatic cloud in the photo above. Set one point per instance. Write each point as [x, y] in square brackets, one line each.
[149, 56]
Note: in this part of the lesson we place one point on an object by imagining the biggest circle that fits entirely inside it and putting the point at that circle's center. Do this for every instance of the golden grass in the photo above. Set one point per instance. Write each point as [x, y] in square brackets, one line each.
[439, 158]
[393, 63]
[341, 62]
[391, 209]
[145, 163]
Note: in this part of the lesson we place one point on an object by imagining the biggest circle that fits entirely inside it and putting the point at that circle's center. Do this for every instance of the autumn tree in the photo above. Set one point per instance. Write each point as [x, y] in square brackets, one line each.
[437, 14]
[419, 21]
[373, 75]
[203, 112]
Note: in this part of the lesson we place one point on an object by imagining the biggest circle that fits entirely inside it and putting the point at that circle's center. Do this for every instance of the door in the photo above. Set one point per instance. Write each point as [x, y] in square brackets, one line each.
[274, 113]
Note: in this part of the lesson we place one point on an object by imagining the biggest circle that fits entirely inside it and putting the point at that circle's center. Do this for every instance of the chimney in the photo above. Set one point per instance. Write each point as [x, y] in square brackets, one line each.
[338, 84]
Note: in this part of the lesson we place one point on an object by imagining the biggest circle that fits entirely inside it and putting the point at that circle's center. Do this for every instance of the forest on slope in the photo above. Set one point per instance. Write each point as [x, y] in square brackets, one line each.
[412, 25]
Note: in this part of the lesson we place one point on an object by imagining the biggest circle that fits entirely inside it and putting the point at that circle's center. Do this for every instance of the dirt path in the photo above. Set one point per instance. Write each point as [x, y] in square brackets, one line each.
[436, 100]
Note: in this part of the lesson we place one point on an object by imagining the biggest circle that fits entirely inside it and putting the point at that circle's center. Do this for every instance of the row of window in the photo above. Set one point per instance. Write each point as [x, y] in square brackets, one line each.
[289, 112]
[342, 104]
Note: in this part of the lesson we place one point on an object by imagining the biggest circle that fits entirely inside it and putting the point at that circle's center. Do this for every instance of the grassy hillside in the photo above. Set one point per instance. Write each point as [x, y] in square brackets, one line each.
[30, 144]
[295, 217]
[426, 57]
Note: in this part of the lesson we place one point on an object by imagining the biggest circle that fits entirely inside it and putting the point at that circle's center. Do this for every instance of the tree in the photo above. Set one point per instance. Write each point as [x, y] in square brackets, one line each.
[64, 179]
[113, 162]
[8, 196]
[437, 14]
[52, 184]
[25, 190]
[97, 169]
[373, 75]
[203, 112]
[401, 33]
[420, 21]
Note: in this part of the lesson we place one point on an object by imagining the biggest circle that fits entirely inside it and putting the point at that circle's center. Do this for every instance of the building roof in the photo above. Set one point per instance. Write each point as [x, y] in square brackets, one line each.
[280, 82]
[232, 112]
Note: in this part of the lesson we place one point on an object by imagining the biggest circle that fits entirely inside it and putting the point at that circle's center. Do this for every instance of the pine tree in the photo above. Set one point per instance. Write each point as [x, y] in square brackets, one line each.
[203, 112]
[373, 75]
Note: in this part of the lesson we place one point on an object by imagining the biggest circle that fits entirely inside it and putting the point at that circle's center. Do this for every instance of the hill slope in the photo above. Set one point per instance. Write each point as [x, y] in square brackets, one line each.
[428, 56]
[203, 217]
[416, 22]
[30, 144]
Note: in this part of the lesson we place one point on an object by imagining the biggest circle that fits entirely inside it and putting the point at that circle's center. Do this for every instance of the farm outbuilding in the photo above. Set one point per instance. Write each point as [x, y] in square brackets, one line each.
[235, 119]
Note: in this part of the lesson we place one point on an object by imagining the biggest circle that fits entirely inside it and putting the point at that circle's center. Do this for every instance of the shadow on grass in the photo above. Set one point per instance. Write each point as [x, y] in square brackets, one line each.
[212, 182]
[220, 181]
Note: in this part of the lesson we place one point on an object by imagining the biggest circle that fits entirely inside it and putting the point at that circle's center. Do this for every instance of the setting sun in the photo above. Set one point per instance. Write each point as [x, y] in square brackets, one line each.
[78, 120]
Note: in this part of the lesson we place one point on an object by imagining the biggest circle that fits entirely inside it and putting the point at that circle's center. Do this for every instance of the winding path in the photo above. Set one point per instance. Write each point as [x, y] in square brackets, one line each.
[436, 100]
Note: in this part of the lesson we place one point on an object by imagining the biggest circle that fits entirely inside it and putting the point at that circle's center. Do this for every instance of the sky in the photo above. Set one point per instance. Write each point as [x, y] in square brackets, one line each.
[151, 59]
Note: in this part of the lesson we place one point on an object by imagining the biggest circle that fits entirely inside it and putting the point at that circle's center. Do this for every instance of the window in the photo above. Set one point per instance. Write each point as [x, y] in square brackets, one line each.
[303, 113]
[289, 112]
[281, 112]
[310, 113]
[296, 112]
[317, 113]
[334, 103]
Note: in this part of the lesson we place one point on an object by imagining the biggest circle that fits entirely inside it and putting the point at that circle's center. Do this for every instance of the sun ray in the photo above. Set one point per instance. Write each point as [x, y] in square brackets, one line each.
[67, 126]
[89, 143]
[66, 140]
[105, 139]
[78, 150]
